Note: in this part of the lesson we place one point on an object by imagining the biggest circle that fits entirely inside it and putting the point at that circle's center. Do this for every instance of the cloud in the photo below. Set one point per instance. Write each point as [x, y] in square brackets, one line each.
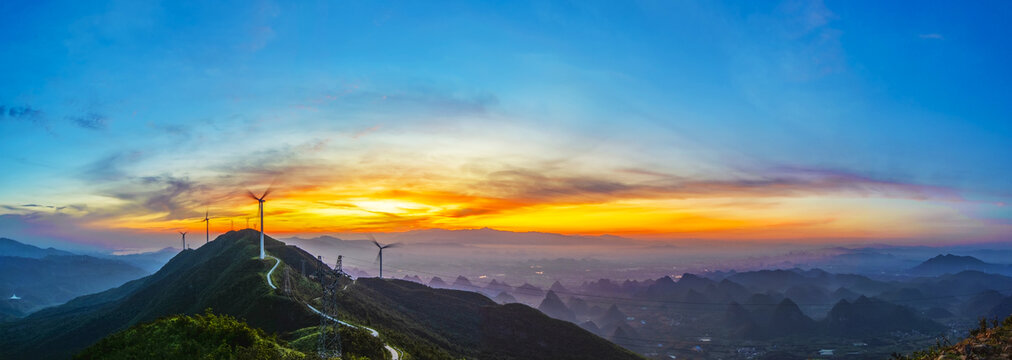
[23, 113]
[931, 36]
[531, 186]
[90, 121]
[110, 168]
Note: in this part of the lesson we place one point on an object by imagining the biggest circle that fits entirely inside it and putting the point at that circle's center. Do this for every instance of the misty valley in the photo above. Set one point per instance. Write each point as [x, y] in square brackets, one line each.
[715, 313]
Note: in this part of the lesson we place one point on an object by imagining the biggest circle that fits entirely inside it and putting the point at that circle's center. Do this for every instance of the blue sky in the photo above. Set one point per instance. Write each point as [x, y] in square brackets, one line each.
[107, 104]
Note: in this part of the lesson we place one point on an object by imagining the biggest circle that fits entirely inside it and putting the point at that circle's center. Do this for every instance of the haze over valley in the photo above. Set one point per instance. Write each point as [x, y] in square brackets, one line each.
[791, 179]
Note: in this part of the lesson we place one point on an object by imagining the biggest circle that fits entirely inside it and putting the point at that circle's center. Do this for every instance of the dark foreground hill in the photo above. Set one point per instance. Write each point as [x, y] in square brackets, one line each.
[451, 324]
[226, 276]
[223, 275]
[989, 341]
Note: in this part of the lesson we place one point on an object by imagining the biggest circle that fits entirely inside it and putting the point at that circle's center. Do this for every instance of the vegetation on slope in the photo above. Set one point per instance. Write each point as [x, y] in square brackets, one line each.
[205, 336]
[224, 275]
[984, 342]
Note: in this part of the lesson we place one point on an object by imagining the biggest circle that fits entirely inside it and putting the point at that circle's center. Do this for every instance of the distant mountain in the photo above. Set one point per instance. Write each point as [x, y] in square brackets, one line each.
[329, 241]
[1001, 310]
[611, 316]
[553, 306]
[53, 280]
[602, 286]
[529, 290]
[496, 286]
[578, 306]
[741, 323]
[438, 283]
[866, 317]
[558, 288]
[14, 248]
[591, 326]
[504, 298]
[788, 319]
[487, 236]
[981, 304]
[148, 261]
[952, 264]
[462, 283]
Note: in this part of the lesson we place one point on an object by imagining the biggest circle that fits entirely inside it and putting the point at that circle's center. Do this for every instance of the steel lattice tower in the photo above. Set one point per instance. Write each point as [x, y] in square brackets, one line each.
[288, 280]
[329, 339]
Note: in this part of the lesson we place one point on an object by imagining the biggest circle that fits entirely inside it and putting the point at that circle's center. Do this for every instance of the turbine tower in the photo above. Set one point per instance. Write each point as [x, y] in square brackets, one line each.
[379, 257]
[207, 228]
[184, 238]
[261, 201]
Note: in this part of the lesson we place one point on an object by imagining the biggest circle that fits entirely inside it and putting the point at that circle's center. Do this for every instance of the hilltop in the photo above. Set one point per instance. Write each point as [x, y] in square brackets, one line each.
[952, 264]
[9, 247]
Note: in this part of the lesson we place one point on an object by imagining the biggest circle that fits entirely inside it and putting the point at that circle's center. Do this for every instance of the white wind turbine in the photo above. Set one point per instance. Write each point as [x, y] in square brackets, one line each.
[379, 257]
[207, 228]
[261, 201]
[184, 238]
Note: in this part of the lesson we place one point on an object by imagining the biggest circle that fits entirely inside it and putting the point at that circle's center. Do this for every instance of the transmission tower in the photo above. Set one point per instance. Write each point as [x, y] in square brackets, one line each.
[288, 280]
[329, 341]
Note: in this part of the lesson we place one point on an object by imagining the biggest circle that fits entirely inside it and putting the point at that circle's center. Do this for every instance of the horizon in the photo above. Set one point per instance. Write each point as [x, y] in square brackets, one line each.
[705, 123]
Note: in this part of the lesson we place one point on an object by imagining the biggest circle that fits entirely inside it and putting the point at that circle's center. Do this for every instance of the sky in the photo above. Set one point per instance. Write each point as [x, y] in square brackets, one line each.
[122, 122]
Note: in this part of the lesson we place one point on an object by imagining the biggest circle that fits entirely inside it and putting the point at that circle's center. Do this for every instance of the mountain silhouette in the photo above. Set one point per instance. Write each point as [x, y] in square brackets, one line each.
[611, 316]
[438, 283]
[9, 247]
[553, 306]
[952, 264]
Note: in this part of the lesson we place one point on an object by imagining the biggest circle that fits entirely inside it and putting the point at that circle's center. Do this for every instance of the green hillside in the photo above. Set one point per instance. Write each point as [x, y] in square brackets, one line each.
[205, 336]
[223, 275]
[226, 276]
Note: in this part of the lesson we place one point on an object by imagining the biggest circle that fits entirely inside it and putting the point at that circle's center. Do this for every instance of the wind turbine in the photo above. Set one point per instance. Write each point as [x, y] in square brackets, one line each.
[379, 257]
[184, 238]
[207, 228]
[261, 201]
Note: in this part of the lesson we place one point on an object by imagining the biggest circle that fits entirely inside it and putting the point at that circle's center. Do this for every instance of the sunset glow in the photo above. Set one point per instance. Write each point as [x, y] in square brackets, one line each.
[396, 119]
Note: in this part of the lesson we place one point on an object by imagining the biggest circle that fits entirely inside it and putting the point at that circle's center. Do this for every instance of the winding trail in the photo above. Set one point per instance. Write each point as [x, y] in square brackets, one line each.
[269, 273]
[394, 353]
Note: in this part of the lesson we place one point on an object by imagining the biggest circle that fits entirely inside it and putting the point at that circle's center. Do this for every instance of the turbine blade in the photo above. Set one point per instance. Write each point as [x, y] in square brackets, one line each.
[377, 244]
[252, 195]
[378, 256]
[266, 192]
[393, 245]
